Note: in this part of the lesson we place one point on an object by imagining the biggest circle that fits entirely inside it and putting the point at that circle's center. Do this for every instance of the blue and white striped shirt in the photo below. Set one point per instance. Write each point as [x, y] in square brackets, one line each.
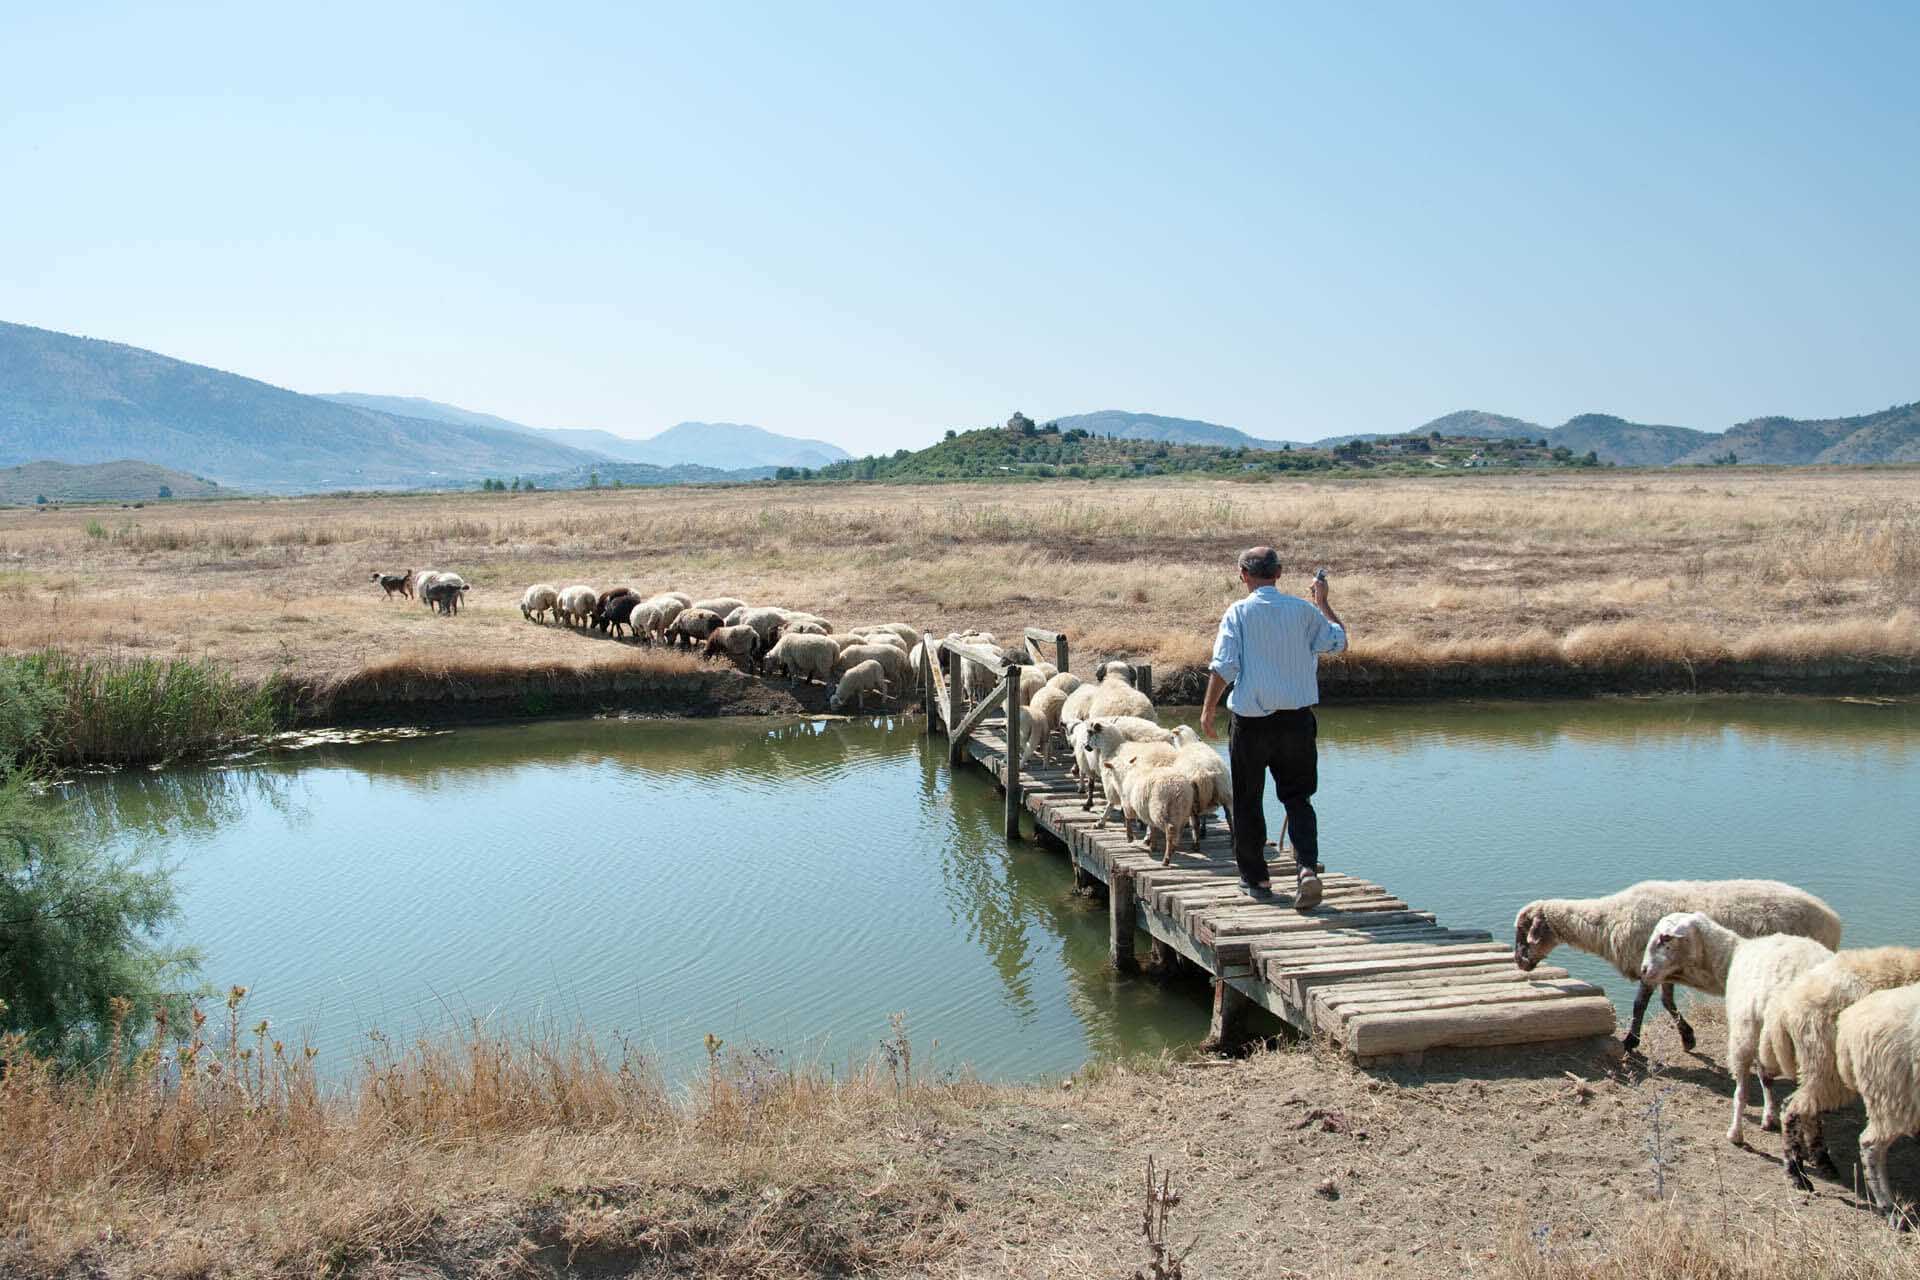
[1268, 647]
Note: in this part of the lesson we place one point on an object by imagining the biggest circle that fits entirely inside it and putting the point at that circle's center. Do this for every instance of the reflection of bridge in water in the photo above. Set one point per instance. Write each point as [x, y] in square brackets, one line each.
[1363, 969]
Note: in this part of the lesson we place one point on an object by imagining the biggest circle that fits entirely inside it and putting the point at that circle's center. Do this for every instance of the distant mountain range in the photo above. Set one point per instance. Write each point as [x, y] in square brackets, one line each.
[723, 446]
[1125, 425]
[79, 400]
[1891, 435]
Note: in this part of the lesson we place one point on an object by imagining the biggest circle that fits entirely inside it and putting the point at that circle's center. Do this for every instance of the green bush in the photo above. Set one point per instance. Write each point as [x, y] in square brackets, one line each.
[74, 710]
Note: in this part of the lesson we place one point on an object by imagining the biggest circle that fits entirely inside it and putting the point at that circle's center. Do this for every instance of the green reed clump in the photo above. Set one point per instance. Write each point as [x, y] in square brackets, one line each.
[90, 710]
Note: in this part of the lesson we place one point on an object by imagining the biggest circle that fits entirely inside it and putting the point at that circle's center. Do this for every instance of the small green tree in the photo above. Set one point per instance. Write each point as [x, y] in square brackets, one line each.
[40, 501]
[593, 479]
[166, 491]
[78, 931]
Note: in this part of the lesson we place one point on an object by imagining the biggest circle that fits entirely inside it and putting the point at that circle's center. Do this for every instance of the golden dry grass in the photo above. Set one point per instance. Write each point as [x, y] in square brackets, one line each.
[1793, 567]
[542, 1154]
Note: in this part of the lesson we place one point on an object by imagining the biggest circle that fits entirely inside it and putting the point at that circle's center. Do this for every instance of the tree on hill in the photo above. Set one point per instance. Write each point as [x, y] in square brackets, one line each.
[166, 491]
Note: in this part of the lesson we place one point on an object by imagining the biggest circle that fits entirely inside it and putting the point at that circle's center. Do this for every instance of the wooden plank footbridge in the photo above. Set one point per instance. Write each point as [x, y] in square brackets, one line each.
[1363, 970]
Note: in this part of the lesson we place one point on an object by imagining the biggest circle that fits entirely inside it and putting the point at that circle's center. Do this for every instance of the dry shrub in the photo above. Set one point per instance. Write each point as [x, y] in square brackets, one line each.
[1669, 1244]
[1639, 643]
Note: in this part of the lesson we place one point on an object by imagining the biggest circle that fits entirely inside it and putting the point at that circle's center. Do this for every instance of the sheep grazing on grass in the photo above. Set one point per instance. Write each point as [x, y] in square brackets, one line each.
[616, 612]
[856, 683]
[808, 628]
[693, 624]
[650, 618]
[763, 621]
[1800, 1037]
[576, 605]
[720, 606]
[1212, 783]
[1877, 1053]
[444, 595]
[394, 584]
[741, 643]
[1616, 929]
[803, 657]
[538, 601]
[1754, 973]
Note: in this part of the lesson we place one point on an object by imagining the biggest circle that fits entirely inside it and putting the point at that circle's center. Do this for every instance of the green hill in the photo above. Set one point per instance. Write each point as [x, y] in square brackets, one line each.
[1024, 449]
[122, 481]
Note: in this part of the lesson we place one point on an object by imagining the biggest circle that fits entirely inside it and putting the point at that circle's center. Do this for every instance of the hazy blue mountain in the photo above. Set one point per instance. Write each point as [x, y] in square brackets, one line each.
[608, 474]
[1630, 444]
[1124, 424]
[727, 446]
[70, 399]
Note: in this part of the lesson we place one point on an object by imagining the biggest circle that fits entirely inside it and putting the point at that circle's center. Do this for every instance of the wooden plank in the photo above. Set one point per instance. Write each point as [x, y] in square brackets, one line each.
[1279, 966]
[1348, 992]
[1298, 980]
[1218, 928]
[1408, 1032]
[1471, 997]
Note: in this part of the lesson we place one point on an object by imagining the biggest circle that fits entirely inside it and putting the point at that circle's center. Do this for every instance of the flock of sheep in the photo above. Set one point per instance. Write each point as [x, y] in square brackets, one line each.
[1840, 1024]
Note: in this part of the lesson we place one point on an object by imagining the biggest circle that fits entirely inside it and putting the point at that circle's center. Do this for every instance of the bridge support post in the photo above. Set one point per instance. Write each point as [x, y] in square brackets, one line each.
[928, 702]
[1229, 1012]
[1015, 802]
[1120, 919]
[956, 742]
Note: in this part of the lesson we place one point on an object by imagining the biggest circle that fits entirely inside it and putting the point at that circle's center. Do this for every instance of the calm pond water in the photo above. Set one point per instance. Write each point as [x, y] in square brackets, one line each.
[794, 884]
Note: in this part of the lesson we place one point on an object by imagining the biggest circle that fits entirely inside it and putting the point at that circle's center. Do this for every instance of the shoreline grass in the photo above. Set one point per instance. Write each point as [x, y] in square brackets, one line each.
[123, 710]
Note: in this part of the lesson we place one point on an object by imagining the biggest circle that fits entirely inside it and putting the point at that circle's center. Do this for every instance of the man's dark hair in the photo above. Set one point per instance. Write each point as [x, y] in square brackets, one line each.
[1260, 562]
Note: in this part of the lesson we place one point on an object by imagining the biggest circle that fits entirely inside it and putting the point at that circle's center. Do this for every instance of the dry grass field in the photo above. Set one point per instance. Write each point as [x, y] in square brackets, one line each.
[506, 1157]
[1534, 572]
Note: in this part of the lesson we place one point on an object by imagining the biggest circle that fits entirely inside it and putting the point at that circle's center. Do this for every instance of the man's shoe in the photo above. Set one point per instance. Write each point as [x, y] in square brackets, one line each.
[1306, 894]
[1258, 892]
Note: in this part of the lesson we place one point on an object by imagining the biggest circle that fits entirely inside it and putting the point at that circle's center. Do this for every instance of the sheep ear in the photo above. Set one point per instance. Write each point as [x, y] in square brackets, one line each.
[1100, 671]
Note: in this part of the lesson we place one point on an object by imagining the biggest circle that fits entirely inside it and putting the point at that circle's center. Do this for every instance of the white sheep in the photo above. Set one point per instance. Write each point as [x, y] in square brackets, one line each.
[1120, 764]
[1065, 682]
[907, 634]
[1212, 783]
[893, 661]
[1800, 1037]
[763, 621]
[804, 657]
[807, 628]
[576, 605]
[1105, 735]
[720, 606]
[422, 579]
[1114, 694]
[1046, 718]
[1877, 1052]
[741, 643]
[538, 601]
[1032, 681]
[1754, 973]
[1159, 797]
[1616, 929]
[681, 598]
[857, 682]
[651, 617]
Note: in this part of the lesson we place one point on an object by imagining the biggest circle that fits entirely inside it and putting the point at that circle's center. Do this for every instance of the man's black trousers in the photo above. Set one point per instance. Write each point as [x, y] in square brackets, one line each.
[1284, 744]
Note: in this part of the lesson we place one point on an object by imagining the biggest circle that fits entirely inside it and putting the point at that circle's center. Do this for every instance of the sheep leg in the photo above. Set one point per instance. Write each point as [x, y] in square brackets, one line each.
[1631, 1041]
[1770, 1099]
[1738, 1066]
[1167, 859]
[1666, 1002]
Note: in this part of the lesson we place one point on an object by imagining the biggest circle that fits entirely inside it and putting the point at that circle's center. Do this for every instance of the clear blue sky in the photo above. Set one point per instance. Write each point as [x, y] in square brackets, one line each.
[869, 224]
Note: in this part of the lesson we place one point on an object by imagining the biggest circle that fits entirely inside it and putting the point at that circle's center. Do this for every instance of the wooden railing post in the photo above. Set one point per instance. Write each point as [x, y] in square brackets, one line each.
[1060, 652]
[926, 684]
[1144, 674]
[955, 686]
[1010, 693]
[1120, 920]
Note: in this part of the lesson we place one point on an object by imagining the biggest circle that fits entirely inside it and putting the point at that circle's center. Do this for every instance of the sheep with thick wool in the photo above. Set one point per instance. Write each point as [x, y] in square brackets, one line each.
[1046, 718]
[1877, 1054]
[856, 682]
[1161, 798]
[1120, 763]
[1105, 735]
[1755, 973]
[1212, 782]
[1617, 926]
[740, 642]
[803, 657]
[576, 605]
[539, 600]
[892, 660]
[1800, 1037]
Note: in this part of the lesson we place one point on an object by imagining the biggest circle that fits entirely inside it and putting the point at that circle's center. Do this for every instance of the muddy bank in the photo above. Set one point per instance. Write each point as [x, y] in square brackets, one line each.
[460, 697]
[1363, 681]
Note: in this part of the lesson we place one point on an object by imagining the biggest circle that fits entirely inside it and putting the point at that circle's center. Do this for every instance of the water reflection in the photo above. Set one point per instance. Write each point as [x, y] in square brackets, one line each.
[795, 882]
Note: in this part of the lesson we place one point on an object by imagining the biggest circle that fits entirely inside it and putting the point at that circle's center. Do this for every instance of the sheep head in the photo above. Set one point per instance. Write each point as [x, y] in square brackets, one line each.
[1533, 938]
[1666, 949]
